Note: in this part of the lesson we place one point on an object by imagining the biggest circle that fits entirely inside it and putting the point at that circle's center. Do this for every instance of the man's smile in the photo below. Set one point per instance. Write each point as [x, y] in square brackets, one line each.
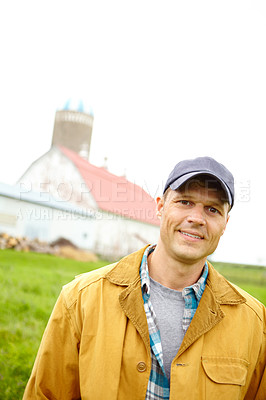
[193, 235]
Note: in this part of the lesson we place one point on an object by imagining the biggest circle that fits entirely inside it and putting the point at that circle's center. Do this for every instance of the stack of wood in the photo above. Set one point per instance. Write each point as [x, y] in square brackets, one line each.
[24, 244]
[61, 247]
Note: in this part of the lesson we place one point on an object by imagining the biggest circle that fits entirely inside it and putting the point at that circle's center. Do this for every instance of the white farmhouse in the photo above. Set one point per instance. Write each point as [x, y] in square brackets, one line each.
[63, 194]
[120, 216]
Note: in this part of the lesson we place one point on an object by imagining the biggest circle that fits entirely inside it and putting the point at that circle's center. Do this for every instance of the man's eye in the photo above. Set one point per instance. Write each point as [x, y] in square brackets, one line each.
[213, 210]
[185, 202]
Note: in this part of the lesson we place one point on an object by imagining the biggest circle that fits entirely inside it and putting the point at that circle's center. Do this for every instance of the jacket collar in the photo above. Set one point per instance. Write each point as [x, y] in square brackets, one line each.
[126, 272]
[224, 292]
[218, 291]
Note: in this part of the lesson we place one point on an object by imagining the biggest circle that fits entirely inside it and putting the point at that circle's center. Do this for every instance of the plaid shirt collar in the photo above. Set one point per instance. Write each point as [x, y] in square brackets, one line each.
[197, 288]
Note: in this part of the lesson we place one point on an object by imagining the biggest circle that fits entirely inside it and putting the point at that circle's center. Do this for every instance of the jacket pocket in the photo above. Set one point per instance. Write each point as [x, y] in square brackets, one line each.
[225, 377]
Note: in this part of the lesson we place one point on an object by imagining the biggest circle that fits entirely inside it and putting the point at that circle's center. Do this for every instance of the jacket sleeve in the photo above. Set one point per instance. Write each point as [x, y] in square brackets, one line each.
[257, 388]
[55, 373]
[261, 393]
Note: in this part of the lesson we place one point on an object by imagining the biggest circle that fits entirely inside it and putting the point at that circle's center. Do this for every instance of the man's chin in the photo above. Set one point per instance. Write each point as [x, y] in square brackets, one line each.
[189, 257]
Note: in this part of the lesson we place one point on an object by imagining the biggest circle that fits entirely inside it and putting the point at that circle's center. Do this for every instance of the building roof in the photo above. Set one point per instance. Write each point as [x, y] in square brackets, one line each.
[114, 194]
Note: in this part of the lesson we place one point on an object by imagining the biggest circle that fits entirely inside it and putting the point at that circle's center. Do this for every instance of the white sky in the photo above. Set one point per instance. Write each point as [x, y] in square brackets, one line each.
[167, 80]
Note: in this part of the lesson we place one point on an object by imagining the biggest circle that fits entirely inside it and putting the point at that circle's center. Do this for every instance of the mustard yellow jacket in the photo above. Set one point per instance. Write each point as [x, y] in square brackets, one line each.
[96, 344]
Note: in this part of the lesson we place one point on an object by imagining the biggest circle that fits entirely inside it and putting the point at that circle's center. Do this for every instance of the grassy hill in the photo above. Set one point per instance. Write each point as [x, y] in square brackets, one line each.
[30, 285]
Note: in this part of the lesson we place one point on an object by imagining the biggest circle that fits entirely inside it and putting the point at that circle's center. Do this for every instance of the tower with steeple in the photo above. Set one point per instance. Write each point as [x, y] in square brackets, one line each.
[73, 129]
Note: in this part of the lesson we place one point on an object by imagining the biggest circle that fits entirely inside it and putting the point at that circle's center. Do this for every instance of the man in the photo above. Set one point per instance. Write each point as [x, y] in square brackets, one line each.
[161, 323]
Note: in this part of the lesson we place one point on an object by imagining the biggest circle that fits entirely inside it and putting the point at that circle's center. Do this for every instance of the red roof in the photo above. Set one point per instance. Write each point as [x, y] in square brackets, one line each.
[114, 194]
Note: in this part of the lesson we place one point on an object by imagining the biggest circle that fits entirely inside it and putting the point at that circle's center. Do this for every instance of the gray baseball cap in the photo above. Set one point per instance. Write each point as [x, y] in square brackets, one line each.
[187, 169]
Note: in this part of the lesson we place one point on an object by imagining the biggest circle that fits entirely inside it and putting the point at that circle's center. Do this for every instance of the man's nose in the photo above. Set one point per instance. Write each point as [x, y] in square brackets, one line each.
[196, 215]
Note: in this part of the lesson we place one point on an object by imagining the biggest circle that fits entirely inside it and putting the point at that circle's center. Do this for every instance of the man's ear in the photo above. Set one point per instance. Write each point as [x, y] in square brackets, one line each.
[159, 207]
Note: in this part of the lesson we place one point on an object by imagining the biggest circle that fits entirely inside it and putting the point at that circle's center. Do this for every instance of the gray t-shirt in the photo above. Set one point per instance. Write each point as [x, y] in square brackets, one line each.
[168, 305]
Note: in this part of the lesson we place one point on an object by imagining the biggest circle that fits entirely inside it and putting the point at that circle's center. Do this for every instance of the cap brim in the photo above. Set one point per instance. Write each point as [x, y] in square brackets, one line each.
[184, 178]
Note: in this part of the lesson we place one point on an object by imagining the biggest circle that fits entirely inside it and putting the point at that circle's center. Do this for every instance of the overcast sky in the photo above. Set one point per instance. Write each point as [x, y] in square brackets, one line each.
[166, 80]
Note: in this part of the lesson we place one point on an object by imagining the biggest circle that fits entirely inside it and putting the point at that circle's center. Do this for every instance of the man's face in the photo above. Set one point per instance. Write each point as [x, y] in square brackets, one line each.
[192, 222]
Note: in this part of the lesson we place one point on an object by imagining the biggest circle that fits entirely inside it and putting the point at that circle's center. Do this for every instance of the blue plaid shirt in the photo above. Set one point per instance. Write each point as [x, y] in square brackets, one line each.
[158, 386]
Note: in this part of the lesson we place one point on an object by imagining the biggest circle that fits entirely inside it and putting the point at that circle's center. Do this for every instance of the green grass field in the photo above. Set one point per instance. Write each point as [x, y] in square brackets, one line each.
[30, 285]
